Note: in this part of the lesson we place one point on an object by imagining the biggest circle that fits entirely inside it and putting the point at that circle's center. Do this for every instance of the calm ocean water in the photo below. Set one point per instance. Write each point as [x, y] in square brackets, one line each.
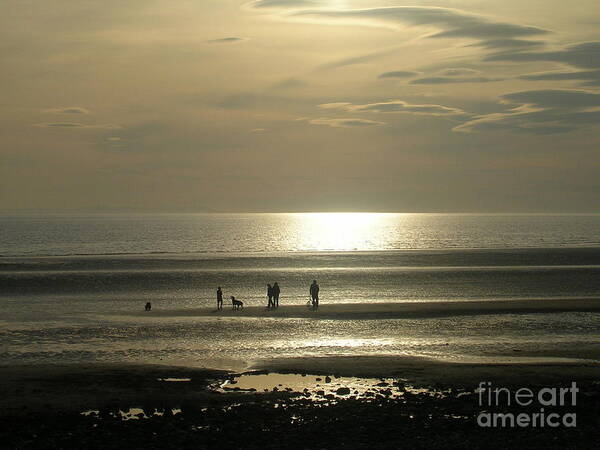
[69, 284]
[267, 233]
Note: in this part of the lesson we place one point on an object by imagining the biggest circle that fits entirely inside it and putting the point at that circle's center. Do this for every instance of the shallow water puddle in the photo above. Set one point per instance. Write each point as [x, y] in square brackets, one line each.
[317, 387]
[174, 380]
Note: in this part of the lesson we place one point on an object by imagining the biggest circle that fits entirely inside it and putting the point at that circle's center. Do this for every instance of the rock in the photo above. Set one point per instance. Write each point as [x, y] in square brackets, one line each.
[327, 379]
[343, 391]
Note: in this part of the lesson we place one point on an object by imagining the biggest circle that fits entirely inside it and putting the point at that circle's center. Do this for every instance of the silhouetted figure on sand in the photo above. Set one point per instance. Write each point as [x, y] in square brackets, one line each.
[236, 304]
[219, 298]
[148, 306]
[276, 292]
[270, 296]
[314, 294]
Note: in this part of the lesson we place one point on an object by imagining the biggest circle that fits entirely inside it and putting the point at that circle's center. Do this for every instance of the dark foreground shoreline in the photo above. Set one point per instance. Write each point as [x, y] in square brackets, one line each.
[42, 406]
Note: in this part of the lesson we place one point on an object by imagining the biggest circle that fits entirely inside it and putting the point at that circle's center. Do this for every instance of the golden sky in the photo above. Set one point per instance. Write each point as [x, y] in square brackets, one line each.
[300, 105]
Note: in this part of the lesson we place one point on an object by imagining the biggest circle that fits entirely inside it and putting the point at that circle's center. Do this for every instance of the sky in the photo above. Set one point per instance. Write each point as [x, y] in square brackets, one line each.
[300, 105]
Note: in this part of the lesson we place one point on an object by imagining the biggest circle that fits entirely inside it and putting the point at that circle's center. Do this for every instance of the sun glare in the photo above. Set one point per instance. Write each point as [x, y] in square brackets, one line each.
[340, 231]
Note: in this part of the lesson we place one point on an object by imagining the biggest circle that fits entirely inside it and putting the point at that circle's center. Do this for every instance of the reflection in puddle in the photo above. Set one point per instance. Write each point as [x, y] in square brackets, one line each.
[174, 379]
[132, 413]
[319, 387]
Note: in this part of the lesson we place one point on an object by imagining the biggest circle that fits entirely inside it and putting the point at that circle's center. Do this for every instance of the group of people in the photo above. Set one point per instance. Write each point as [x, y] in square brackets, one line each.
[273, 293]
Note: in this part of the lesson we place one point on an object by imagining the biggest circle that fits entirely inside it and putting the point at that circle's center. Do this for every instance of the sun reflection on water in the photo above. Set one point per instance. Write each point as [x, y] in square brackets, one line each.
[343, 231]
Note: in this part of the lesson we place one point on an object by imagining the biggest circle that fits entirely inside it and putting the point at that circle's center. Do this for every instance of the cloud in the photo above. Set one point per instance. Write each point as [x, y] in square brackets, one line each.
[548, 111]
[395, 106]
[448, 76]
[358, 59]
[68, 110]
[585, 55]
[290, 83]
[555, 98]
[452, 23]
[488, 32]
[399, 74]
[449, 80]
[459, 72]
[108, 126]
[346, 123]
[494, 44]
[226, 40]
[591, 77]
[338, 105]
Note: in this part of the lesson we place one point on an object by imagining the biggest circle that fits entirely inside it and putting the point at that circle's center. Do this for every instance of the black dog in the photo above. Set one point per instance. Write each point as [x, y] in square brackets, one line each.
[148, 306]
[236, 304]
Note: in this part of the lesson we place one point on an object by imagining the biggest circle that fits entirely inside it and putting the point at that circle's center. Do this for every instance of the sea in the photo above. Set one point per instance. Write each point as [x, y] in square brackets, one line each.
[73, 287]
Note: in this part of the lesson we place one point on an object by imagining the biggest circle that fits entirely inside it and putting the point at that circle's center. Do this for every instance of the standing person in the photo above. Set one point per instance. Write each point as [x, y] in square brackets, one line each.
[219, 298]
[314, 293]
[270, 295]
[276, 292]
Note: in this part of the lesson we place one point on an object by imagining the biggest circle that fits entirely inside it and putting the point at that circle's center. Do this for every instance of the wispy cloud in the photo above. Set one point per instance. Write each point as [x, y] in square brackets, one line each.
[459, 72]
[497, 44]
[399, 74]
[283, 4]
[360, 59]
[451, 80]
[436, 23]
[395, 106]
[76, 125]
[585, 55]
[451, 23]
[290, 83]
[547, 111]
[68, 110]
[227, 40]
[589, 77]
[346, 123]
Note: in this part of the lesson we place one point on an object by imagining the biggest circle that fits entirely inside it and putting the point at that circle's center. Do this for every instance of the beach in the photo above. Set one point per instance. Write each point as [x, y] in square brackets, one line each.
[396, 351]
[328, 397]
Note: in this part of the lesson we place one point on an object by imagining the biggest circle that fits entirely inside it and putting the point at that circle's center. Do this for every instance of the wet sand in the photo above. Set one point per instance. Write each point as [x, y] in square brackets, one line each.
[392, 310]
[42, 406]
[77, 387]
[427, 372]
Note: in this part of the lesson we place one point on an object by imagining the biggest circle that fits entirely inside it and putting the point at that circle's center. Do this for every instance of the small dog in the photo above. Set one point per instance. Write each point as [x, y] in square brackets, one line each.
[236, 304]
[148, 306]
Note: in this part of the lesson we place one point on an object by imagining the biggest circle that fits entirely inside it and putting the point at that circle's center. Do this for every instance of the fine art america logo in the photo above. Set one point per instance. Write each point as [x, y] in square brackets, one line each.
[547, 407]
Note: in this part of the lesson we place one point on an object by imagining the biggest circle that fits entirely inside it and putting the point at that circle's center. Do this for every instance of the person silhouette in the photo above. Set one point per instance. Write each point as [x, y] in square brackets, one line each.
[219, 298]
[270, 296]
[276, 292]
[314, 294]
